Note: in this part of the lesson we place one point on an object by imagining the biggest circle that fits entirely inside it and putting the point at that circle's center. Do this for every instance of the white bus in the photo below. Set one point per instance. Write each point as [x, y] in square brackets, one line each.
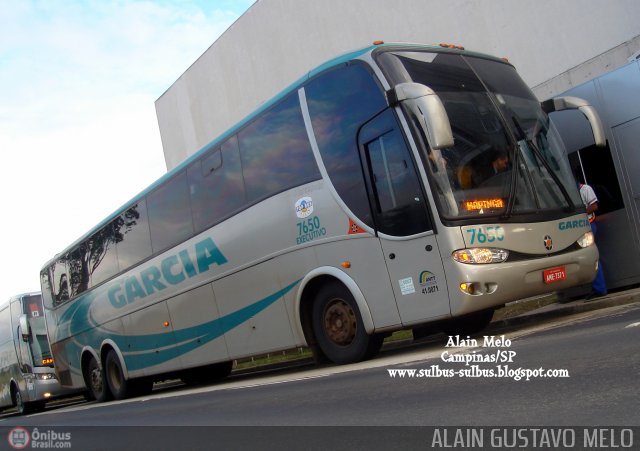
[27, 376]
[359, 201]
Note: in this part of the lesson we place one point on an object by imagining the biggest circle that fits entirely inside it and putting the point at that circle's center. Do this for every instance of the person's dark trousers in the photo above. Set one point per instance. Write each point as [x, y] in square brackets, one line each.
[598, 287]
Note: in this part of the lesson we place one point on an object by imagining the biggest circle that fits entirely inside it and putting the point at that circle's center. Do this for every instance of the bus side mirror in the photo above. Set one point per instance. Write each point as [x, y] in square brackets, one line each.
[24, 327]
[427, 108]
[576, 103]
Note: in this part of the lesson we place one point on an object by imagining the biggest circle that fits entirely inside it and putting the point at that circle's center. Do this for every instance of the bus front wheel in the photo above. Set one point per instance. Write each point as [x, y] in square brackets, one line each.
[338, 326]
[25, 408]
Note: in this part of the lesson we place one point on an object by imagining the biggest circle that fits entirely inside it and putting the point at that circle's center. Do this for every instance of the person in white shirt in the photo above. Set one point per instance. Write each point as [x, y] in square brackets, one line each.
[590, 200]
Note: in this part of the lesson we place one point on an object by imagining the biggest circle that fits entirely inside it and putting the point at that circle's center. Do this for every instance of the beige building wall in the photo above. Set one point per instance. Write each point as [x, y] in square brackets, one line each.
[554, 44]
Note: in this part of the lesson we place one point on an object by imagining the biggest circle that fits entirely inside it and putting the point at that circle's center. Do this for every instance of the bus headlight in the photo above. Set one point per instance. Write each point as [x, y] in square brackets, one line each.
[45, 376]
[480, 255]
[586, 240]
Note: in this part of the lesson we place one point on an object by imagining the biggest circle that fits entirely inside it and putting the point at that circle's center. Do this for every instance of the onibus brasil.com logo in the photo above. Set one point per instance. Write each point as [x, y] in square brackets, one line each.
[20, 438]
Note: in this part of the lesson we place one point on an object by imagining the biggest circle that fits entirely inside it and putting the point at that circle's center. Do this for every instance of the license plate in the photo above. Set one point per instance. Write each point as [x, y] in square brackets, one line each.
[554, 274]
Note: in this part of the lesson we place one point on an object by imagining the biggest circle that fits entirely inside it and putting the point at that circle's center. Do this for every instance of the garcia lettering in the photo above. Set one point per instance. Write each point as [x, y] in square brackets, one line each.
[575, 224]
[172, 270]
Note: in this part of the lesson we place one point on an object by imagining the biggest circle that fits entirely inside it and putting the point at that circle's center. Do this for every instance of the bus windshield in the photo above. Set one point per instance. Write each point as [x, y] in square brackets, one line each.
[38, 342]
[507, 159]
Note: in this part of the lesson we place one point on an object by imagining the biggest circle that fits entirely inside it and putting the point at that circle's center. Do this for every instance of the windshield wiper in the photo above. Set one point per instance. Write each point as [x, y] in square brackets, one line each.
[570, 205]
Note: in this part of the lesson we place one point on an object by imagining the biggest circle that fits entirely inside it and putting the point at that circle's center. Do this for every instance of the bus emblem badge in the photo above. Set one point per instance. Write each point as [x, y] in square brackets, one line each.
[304, 207]
[548, 243]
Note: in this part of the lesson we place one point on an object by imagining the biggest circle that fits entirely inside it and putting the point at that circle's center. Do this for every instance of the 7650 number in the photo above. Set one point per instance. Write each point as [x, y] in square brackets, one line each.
[486, 234]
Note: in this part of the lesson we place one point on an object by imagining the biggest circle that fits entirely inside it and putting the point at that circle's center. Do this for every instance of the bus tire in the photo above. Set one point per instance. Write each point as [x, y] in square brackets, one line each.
[22, 407]
[25, 408]
[469, 324]
[96, 382]
[120, 387]
[338, 326]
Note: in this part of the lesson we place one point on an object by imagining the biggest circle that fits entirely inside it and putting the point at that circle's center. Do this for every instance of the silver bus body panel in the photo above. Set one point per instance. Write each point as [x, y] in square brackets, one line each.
[235, 290]
[219, 294]
[16, 363]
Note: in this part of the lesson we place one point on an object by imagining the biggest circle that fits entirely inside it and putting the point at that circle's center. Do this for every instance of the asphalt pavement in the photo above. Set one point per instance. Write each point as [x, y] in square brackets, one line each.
[557, 309]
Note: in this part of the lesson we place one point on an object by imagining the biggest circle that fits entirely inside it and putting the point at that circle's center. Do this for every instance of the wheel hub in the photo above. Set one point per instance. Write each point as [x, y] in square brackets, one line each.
[96, 379]
[340, 322]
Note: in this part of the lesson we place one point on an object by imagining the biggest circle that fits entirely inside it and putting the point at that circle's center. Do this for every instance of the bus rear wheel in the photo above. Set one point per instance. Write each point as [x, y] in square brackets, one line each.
[95, 380]
[120, 387]
[338, 327]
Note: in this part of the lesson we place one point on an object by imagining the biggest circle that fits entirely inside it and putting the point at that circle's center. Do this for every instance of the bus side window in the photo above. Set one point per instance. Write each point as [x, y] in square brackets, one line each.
[340, 101]
[169, 209]
[275, 151]
[103, 260]
[5, 323]
[216, 185]
[60, 282]
[47, 298]
[134, 240]
[399, 202]
[79, 271]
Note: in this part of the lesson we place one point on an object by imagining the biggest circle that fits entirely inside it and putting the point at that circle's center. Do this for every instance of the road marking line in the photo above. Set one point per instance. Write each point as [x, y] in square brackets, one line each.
[632, 325]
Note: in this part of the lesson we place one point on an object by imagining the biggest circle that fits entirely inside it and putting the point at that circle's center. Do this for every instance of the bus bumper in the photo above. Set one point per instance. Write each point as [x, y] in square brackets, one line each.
[50, 389]
[491, 286]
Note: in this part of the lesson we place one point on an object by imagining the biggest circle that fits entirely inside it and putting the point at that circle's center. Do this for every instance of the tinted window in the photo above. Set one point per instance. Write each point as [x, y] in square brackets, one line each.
[275, 151]
[340, 101]
[400, 205]
[47, 290]
[596, 165]
[60, 282]
[170, 213]
[133, 241]
[103, 259]
[79, 270]
[5, 325]
[216, 185]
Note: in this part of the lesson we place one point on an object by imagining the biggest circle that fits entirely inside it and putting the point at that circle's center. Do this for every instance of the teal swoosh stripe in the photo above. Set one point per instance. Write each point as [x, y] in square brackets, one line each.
[155, 349]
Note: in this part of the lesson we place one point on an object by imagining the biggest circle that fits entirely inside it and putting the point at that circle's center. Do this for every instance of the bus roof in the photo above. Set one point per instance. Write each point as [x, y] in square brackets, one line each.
[349, 56]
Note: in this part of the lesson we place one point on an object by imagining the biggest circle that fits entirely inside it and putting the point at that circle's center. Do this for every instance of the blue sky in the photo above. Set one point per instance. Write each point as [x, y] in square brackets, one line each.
[78, 129]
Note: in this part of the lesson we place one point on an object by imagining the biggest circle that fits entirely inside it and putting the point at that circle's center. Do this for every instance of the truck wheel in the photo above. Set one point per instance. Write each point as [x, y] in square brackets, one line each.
[95, 380]
[338, 326]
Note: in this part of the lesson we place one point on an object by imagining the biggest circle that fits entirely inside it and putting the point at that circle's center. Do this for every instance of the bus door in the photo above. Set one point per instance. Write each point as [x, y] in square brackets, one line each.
[25, 361]
[402, 222]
